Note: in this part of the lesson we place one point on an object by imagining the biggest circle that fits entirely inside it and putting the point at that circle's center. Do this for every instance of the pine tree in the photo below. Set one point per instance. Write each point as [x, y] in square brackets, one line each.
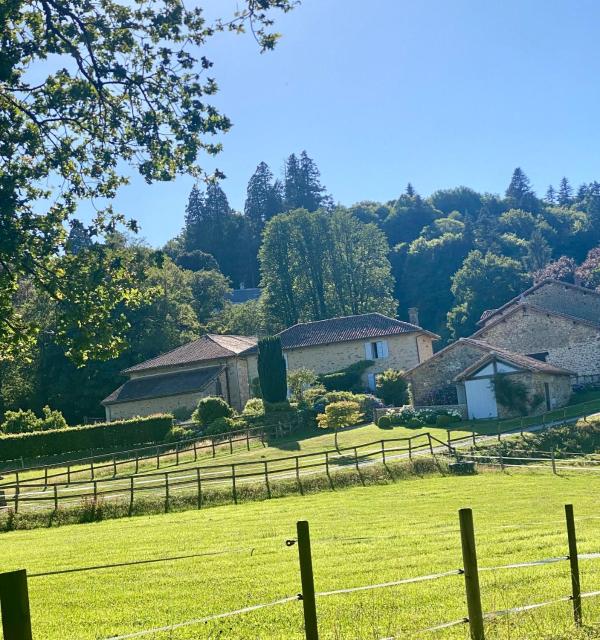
[565, 193]
[263, 197]
[410, 191]
[271, 370]
[302, 184]
[582, 192]
[519, 194]
[550, 195]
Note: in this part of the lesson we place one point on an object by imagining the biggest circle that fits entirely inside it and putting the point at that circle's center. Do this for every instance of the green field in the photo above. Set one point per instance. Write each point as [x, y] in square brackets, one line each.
[360, 536]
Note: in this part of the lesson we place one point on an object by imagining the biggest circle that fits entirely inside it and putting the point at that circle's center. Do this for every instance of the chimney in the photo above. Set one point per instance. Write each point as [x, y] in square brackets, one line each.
[413, 315]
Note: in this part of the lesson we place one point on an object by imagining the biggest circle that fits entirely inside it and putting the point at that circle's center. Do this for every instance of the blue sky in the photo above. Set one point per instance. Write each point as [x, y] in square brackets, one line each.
[435, 92]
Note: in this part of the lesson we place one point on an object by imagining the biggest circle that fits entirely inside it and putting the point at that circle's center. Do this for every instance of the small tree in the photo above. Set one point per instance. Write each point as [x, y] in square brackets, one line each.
[392, 388]
[339, 415]
[271, 370]
[210, 409]
[299, 381]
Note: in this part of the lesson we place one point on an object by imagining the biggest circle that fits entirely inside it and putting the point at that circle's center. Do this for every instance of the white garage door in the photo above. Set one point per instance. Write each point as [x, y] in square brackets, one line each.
[481, 401]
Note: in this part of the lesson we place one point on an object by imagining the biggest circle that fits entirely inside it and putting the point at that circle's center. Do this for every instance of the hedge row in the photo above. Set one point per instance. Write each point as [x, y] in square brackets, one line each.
[121, 433]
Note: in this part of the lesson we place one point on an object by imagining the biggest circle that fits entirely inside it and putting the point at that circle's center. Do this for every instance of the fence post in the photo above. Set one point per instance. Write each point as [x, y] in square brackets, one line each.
[177, 454]
[308, 584]
[91, 470]
[233, 487]
[195, 452]
[474, 439]
[137, 461]
[16, 499]
[46, 475]
[55, 498]
[114, 466]
[166, 492]
[430, 443]
[68, 474]
[266, 463]
[248, 439]
[199, 483]
[14, 598]
[130, 495]
[469, 553]
[449, 441]
[212, 442]
[498, 430]
[157, 458]
[574, 562]
[230, 444]
[553, 461]
[298, 476]
[383, 451]
[95, 490]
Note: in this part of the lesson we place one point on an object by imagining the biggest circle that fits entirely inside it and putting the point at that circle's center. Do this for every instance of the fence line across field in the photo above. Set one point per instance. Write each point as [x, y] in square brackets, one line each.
[17, 623]
[222, 474]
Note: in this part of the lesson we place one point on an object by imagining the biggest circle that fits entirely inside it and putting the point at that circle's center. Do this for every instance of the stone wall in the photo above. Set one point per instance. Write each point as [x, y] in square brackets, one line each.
[571, 345]
[149, 406]
[559, 389]
[438, 373]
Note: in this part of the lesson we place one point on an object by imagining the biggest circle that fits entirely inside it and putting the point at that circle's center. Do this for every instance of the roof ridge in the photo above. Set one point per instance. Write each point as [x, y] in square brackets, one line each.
[160, 355]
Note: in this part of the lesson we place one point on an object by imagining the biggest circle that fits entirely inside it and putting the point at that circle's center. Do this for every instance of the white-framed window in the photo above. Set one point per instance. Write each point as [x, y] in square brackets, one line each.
[376, 350]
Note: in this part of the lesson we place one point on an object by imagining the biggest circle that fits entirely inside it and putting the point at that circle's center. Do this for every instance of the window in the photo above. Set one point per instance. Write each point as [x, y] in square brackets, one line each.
[376, 350]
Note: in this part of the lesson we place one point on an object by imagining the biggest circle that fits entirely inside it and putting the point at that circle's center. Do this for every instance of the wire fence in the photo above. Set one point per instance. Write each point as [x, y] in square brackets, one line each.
[17, 623]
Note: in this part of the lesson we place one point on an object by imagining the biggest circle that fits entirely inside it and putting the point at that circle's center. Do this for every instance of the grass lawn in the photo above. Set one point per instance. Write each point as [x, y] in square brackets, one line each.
[359, 536]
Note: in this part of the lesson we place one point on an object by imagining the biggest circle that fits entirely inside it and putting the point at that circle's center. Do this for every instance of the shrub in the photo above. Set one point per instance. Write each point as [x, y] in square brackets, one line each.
[120, 433]
[272, 370]
[182, 414]
[443, 420]
[209, 409]
[20, 421]
[392, 388]
[299, 381]
[52, 419]
[341, 396]
[348, 379]
[254, 407]
[278, 407]
[177, 433]
[385, 422]
[415, 423]
[219, 426]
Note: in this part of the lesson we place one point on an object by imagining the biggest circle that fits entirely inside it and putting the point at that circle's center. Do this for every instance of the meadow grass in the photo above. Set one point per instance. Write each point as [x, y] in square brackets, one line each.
[360, 535]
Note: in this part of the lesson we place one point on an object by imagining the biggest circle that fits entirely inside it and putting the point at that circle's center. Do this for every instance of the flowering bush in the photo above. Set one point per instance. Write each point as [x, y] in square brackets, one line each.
[423, 417]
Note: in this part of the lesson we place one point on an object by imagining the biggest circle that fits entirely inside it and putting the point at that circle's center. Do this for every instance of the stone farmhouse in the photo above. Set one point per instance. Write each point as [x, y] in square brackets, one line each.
[547, 337]
[226, 365]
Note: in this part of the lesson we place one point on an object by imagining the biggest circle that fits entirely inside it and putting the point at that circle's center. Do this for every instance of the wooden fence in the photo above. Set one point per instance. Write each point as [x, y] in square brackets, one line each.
[41, 494]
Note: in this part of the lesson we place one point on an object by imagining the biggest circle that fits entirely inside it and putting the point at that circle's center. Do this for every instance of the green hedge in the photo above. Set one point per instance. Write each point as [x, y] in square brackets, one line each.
[121, 433]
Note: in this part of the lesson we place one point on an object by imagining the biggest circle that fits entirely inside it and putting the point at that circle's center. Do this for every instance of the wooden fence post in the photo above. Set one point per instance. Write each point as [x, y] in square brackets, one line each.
[298, 476]
[68, 474]
[230, 444]
[95, 490]
[195, 452]
[166, 492]
[92, 470]
[46, 475]
[131, 495]
[177, 454]
[266, 463]
[430, 443]
[574, 562]
[248, 439]
[137, 461]
[552, 457]
[469, 553]
[233, 487]
[498, 430]
[16, 499]
[212, 442]
[383, 451]
[157, 458]
[474, 439]
[14, 598]
[114, 466]
[309, 604]
[55, 497]
[199, 483]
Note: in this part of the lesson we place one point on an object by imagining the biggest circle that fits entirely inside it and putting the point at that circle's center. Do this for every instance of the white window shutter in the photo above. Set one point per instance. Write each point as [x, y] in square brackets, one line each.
[368, 352]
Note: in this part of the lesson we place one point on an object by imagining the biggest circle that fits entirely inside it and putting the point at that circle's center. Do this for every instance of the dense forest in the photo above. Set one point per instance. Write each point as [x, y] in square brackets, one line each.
[452, 255]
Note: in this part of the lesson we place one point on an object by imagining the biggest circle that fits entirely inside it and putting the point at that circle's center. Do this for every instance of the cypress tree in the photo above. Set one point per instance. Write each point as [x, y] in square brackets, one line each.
[271, 370]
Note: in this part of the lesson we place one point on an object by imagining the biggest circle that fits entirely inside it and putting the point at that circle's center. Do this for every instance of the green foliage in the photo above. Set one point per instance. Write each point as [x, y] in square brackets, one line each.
[20, 422]
[70, 133]
[384, 422]
[182, 414]
[254, 407]
[97, 436]
[52, 419]
[177, 433]
[348, 379]
[511, 394]
[338, 415]
[210, 409]
[443, 420]
[220, 426]
[392, 388]
[272, 370]
[299, 382]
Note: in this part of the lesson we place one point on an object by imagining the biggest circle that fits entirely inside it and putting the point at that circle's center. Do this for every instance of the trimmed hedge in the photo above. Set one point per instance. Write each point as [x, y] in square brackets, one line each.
[121, 433]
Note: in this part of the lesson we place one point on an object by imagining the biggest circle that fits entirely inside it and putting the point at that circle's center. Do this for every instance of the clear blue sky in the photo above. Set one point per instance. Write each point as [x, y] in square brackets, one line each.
[435, 92]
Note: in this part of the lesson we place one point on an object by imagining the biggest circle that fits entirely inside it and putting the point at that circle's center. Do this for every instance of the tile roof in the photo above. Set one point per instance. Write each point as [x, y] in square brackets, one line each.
[521, 297]
[208, 347]
[518, 359]
[168, 384]
[345, 329]
[238, 296]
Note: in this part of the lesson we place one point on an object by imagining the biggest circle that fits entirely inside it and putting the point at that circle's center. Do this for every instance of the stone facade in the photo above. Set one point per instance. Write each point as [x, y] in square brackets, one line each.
[404, 352]
[148, 406]
[559, 297]
[571, 344]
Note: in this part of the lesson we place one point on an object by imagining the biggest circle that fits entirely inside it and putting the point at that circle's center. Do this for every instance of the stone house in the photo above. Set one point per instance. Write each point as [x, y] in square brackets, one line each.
[463, 374]
[556, 321]
[227, 365]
